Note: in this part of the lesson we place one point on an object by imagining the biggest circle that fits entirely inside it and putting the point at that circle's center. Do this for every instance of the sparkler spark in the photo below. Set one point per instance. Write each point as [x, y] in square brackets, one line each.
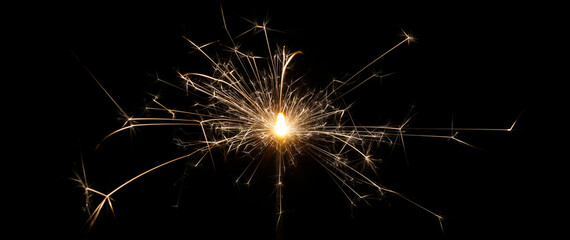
[251, 103]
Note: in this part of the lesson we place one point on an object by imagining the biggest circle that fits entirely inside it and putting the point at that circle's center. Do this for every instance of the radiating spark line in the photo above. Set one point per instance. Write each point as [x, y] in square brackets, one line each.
[125, 115]
[208, 145]
[407, 39]
[283, 70]
[132, 126]
[165, 108]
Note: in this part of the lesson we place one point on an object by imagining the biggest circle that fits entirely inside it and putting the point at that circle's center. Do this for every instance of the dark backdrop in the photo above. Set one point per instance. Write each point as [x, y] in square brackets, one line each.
[478, 66]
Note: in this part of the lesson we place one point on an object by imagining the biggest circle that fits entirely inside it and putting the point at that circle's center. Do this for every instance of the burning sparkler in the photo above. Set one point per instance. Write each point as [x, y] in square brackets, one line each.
[251, 104]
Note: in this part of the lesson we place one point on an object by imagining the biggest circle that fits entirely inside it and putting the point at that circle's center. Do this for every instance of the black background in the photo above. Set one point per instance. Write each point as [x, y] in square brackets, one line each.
[480, 65]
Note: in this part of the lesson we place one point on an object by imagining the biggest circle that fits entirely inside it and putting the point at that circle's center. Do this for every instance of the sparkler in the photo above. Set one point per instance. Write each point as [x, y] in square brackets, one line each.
[251, 105]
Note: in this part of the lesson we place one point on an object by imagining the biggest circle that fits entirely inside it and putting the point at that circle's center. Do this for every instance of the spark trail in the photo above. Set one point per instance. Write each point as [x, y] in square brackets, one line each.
[249, 104]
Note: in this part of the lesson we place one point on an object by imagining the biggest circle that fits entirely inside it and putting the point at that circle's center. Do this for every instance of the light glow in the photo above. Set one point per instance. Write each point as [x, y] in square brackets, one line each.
[281, 128]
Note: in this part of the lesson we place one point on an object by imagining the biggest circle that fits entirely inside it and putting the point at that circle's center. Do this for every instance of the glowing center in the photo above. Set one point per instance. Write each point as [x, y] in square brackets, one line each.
[281, 128]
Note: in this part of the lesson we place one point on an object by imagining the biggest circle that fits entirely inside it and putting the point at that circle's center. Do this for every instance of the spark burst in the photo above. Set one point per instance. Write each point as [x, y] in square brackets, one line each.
[251, 106]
